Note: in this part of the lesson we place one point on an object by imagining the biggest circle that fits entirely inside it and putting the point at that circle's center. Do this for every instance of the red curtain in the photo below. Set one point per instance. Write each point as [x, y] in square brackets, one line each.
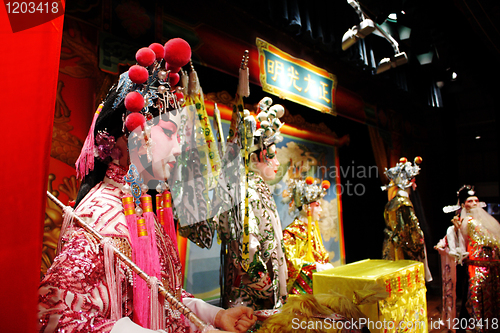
[29, 64]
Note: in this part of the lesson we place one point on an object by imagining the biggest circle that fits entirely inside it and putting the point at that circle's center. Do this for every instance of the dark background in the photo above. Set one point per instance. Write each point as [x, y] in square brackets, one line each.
[454, 128]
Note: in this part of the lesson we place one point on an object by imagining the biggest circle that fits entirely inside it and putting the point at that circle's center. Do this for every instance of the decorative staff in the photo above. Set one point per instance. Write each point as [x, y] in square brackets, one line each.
[174, 302]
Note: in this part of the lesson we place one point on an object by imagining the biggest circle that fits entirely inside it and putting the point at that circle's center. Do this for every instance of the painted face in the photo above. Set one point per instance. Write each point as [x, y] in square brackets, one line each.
[164, 148]
[268, 166]
[316, 210]
[471, 202]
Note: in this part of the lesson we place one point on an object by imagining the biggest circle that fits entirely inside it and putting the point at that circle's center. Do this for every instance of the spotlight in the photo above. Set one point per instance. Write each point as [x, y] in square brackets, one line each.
[349, 38]
[387, 63]
[384, 65]
[365, 27]
[398, 59]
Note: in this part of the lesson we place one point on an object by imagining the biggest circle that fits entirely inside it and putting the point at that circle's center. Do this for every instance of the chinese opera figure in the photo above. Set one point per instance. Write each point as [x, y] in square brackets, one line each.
[304, 250]
[481, 233]
[453, 250]
[132, 145]
[255, 267]
[404, 238]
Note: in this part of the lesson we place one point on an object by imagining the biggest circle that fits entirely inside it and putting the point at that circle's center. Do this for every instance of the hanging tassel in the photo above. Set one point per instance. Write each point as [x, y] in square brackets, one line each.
[85, 162]
[309, 255]
[114, 283]
[149, 216]
[157, 308]
[137, 231]
[194, 87]
[119, 278]
[243, 84]
[66, 224]
[160, 212]
[243, 79]
[169, 217]
[184, 81]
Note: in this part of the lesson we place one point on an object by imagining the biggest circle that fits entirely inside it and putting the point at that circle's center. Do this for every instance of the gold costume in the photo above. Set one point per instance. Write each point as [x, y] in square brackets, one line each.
[300, 269]
[403, 237]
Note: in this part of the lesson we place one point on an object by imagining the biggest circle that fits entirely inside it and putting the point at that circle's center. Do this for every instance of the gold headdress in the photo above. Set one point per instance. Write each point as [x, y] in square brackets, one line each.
[403, 173]
[303, 191]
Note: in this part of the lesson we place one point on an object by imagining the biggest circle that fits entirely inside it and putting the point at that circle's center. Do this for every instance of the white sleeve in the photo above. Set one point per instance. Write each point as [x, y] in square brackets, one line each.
[125, 325]
[202, 310]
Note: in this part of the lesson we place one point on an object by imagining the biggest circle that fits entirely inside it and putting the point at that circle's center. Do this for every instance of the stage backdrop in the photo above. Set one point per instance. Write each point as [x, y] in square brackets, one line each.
[317, 153]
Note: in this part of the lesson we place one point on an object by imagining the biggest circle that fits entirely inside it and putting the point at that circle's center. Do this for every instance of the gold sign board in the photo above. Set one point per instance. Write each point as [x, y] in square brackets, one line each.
[295, 79]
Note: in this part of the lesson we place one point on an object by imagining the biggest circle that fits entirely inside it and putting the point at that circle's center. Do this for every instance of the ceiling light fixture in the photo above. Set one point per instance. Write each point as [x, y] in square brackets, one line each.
[365, 27]
[398, 59]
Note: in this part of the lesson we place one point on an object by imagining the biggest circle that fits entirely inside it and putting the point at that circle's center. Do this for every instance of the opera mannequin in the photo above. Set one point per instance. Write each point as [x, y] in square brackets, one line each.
[403, 237]
[133, 143]
[255, 268]
[305, 253]
[481, 233]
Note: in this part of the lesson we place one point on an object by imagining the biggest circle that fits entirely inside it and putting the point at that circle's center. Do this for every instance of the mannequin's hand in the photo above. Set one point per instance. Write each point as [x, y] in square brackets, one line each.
[457, 222]
[239, 319]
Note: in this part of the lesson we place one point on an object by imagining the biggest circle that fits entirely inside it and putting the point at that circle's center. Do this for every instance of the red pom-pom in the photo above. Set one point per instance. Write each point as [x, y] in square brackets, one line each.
[158, 49]
[134, 102]
[325, 184]
[309, 180]
[172, 69]
[177, 52]
[418, 160]
[145, 56]
[179, 95]
[134, 120]
[138, 74]
[403, 160]
[173, 78]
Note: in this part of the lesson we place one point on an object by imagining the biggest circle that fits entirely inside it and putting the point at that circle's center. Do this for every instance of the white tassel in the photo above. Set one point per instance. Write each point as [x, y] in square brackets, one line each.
[112, 277]
[184, 81]
[156, 309]
[67, 223]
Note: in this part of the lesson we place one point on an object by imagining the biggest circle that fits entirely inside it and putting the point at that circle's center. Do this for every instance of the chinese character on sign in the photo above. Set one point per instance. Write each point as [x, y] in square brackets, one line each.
[294, 76]
[295, 79]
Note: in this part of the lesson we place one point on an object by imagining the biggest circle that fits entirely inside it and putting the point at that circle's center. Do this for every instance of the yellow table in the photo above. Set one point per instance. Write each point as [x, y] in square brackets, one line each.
[404, 280]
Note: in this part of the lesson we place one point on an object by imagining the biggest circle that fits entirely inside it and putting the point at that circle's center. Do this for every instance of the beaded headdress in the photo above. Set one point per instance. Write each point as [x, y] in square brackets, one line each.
[143, 97]
[268, 132]
[302, 191]
[403, 173]
[145, 91]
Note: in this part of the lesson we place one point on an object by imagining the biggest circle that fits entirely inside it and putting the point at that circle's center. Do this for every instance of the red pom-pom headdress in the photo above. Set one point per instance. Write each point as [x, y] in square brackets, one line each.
[146, 88]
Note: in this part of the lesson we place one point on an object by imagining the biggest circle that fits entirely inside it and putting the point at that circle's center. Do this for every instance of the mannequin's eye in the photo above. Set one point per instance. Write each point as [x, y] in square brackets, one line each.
[168, 132]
